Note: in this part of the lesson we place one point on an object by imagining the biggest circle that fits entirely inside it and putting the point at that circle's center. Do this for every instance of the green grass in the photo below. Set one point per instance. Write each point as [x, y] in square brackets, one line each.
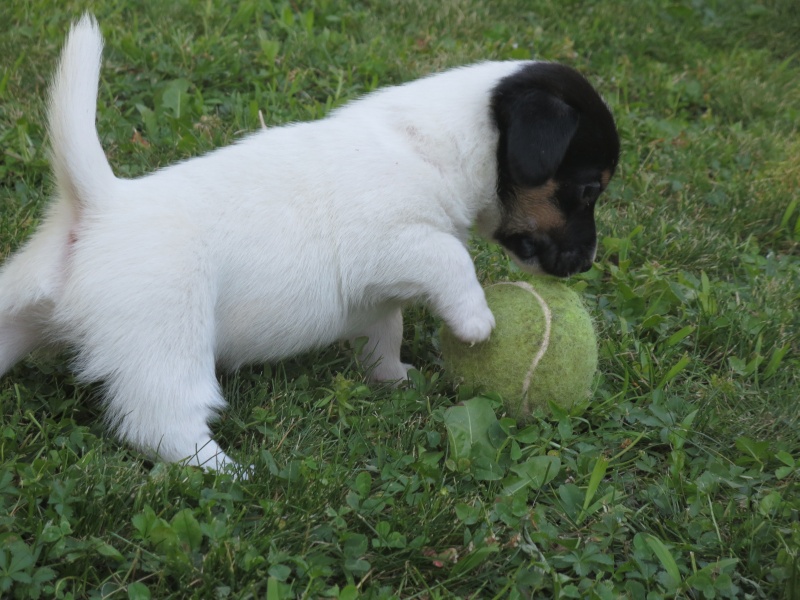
[681, 479]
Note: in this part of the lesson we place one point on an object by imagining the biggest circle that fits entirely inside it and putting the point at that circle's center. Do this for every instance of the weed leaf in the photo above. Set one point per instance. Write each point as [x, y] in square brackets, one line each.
[473, 560]
[599, 471]
[468, 429]
[138, 591]
[665, 557]
[187, 529]
[534, 473]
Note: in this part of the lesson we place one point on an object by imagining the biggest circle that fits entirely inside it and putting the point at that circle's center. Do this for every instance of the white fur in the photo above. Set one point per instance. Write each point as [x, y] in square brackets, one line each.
[290, 239]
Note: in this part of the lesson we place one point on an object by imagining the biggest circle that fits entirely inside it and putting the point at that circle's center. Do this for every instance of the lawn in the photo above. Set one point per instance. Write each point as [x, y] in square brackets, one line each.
[681, 478]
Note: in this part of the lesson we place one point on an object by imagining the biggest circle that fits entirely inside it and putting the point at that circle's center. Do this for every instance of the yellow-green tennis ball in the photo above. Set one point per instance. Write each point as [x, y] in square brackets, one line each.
[543, 348]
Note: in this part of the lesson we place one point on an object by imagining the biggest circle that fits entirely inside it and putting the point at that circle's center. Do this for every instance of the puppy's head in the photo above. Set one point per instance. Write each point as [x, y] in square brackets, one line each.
[558, 148]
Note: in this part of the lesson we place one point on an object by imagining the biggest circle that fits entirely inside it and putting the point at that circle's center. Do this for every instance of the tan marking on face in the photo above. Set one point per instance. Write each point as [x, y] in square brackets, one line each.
[535, 209]
[605, 177]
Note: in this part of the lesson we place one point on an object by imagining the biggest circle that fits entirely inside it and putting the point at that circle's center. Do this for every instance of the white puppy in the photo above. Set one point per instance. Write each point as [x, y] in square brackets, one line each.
[294, 237]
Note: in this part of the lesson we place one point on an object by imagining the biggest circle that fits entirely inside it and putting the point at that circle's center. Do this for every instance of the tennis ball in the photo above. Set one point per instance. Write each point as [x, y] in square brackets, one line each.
[543, 348]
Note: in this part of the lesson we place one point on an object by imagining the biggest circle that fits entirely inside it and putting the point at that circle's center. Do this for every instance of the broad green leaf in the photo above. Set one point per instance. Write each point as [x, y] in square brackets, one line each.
[269, 48]
[534, 473]
[680, 335]
[363, 484]
[187, 529]
[599, 471]
[467, 429]
[665, 557]
[467, 513]
[138, 591]
[274, 589]
[485, 468]
[105, 549]
[770, 503]
[355, 545]
[164, 539]
[349, 592]
[42, 575]
[675, 370]
[145, 521]
[280, 572]
[357, 566]
[174, 96]
[758, 450]
[473, 560]
[785, 458]
[787, 214]
[775, 361]
[21, 559]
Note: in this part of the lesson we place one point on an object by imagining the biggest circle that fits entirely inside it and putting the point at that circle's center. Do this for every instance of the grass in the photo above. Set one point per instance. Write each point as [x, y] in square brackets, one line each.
[682, 477]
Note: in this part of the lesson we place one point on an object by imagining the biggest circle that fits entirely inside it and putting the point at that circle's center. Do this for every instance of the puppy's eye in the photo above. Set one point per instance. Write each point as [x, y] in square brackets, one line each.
[590, 192]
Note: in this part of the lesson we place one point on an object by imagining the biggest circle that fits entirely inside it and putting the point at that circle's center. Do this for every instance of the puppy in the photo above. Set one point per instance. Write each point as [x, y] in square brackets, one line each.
[297, 236]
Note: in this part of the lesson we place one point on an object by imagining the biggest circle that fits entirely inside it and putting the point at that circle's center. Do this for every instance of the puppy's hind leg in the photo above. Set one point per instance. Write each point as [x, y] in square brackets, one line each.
[30, 286]
[381, 354]
[151, 341]
[20, 334]
[161, 395]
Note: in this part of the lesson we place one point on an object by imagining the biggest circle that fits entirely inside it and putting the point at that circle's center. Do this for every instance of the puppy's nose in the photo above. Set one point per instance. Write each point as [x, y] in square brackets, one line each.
[585, 265]
[565, 263]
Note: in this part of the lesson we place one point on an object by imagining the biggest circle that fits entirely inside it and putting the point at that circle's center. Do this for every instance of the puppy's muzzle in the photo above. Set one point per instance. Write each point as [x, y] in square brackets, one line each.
[540, 252]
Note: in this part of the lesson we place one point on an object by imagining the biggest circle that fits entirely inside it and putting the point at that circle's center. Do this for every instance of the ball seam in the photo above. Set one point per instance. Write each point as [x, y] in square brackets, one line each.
[548, 319]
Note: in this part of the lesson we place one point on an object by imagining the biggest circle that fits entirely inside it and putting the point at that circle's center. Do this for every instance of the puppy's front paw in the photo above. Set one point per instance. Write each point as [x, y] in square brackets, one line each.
[475, 327]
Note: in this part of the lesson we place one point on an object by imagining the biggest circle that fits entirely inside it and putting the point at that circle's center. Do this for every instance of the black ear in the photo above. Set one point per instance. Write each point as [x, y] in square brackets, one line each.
[540, 129]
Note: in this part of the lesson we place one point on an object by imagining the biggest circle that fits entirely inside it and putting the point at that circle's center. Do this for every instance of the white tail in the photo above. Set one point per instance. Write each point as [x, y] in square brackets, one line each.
[30, 281]
[81, 169]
